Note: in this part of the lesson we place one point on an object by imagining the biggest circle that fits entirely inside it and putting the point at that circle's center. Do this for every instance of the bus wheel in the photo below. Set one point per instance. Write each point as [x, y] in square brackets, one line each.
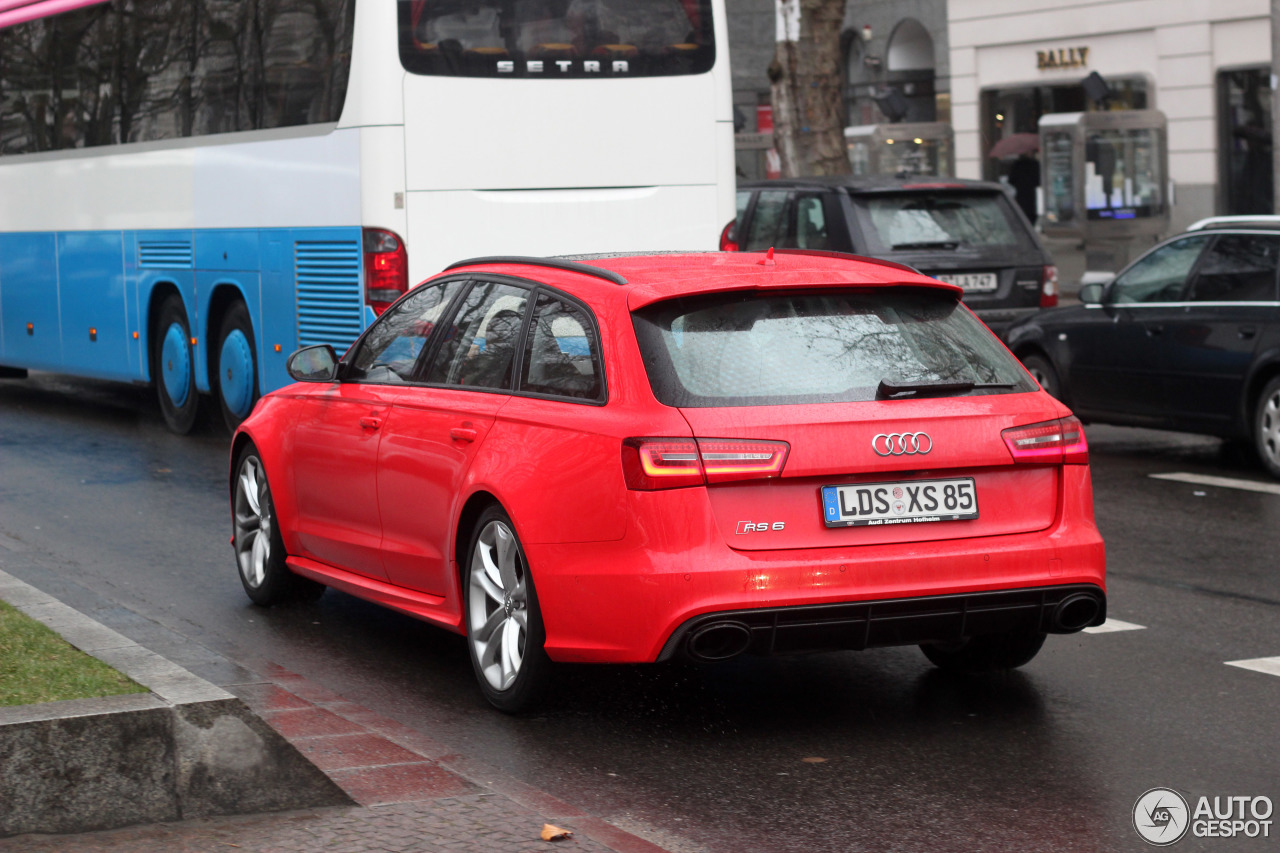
[237, 385]
[173, 368]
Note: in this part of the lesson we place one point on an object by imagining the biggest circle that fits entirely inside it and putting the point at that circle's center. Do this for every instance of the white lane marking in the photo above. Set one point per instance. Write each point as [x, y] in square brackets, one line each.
[1271, 666]
[1114, 625]
[1222, 482]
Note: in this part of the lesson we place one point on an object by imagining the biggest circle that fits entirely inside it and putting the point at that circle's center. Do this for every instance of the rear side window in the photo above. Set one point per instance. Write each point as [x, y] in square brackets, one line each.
[1238, 268]
[562, 357]
[480, 350]
[769, 222]
[836, 346]
[929, 221]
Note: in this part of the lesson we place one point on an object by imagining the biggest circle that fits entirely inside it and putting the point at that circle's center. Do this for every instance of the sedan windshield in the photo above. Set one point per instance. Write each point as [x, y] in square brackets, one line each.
[748, 349]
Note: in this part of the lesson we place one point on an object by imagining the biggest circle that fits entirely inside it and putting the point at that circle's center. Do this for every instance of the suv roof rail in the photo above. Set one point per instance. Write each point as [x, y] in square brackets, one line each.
[553, 263]
[1255, 219]
[849, 256]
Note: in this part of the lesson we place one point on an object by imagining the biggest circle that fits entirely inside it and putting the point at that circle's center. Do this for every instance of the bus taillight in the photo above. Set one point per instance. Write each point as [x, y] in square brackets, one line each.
[386, 268]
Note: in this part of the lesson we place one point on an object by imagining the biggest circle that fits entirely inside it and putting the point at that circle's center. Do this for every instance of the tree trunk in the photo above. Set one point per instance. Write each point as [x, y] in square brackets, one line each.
[808, 112]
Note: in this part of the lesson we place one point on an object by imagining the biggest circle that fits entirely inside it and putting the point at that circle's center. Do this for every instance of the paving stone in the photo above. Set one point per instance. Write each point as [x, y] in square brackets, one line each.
[400, 783]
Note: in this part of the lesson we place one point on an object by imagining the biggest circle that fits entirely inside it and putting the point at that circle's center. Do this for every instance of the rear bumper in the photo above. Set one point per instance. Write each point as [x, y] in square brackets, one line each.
[893, 622]
[627, 601]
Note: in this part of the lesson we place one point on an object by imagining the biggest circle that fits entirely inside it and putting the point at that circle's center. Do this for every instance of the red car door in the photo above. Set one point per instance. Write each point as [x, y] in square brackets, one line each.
[436, 429]
[338, 434]
[335, 465]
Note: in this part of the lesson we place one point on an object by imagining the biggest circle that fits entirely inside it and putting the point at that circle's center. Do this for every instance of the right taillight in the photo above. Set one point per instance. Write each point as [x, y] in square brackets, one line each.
[649, 464]
[1049, 287]
[1056, 441]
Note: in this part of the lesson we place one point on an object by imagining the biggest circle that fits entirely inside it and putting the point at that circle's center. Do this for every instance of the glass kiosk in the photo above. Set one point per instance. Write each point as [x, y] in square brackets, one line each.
[1105, 174]
[916, 148]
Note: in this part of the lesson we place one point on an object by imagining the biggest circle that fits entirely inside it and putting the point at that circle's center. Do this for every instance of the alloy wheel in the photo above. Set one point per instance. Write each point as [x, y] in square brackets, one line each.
[253, 522]
[498, 602]
[1269, 428]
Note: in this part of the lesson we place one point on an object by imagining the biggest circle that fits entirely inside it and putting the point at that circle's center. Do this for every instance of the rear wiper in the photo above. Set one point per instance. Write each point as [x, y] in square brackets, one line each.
[888, 389]
[928, 244]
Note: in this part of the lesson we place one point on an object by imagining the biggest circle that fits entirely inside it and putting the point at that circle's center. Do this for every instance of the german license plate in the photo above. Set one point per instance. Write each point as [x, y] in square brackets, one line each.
[913, 502]
[971, 282]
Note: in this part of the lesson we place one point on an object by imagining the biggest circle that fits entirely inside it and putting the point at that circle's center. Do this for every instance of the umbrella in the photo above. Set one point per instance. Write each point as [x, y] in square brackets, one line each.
[1016, 144]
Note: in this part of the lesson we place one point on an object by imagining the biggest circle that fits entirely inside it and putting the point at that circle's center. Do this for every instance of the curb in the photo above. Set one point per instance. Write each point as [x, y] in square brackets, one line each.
[188, 749]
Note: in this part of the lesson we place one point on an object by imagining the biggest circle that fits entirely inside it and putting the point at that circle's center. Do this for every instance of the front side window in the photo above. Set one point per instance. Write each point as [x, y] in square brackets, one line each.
[556, 39]
[390, 350]
[479, 350]
[562, 356]
[1161, 275]
[1238, 268]
[749, 349]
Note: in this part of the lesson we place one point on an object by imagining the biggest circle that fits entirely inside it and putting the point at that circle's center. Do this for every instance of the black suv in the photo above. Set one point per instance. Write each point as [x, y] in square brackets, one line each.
[1187, 337]
[965, 232]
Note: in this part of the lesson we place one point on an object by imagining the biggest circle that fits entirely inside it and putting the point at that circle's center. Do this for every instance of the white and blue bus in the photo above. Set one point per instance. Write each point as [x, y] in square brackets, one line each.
[192, 189]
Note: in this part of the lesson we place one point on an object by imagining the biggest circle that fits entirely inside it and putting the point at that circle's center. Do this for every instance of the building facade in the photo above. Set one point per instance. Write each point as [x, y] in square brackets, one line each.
[1205, 65]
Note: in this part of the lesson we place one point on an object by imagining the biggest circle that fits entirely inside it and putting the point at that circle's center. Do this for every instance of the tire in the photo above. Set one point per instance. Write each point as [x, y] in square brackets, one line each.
[987, 652]
[259, 547]
[173, 367]
[505, 634]
[1043, 371]
[1266, 427]
[236, 383]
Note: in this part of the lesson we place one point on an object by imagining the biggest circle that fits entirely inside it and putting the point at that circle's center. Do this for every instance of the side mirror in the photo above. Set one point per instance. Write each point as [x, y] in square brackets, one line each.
[313, 364]
[1091, 294]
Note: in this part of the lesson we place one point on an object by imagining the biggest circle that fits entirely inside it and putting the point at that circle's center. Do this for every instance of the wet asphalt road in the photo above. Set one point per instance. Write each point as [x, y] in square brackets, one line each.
[854, 751]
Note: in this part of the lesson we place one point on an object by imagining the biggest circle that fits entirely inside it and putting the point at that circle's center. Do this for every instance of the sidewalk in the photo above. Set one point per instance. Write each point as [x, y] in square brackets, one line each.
[410, 793]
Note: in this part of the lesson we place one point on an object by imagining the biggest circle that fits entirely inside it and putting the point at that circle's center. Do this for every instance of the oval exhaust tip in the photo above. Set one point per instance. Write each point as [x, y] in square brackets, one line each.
[719, 641]
[1075, 612]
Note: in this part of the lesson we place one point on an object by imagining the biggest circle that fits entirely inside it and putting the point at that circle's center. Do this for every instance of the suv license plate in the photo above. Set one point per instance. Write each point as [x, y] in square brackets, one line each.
[972, 282]
[912, 502]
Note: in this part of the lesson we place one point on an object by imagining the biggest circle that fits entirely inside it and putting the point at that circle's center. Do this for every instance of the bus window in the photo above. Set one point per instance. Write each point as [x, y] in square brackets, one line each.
[556, 38]
[154, 71]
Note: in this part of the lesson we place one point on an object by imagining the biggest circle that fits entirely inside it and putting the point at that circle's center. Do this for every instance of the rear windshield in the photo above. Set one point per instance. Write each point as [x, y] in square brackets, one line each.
[555, 39]
[748, 349]
[933, 221]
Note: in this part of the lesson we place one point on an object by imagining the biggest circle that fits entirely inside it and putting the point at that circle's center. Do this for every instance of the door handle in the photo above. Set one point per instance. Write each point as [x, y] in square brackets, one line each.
[1154, 329]
[370, 422]
[1247, 332]
[462, 434]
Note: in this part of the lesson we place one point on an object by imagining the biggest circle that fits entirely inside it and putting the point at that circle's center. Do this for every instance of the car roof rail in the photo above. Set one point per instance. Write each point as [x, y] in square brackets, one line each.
[1255, 219]
[847, 256]
[553, 263]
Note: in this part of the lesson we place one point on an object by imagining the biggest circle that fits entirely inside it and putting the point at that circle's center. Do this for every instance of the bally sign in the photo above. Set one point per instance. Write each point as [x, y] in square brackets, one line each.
[1063, 57]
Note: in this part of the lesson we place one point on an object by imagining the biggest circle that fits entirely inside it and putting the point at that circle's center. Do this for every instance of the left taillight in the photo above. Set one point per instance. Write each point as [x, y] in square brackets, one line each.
[1057, 441]
[649, 464]
[386, 268]
[1049, 287]
[727, 241]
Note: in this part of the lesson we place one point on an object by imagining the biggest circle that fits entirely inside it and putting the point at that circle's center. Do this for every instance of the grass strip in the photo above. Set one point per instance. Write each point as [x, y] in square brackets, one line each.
[37, 665]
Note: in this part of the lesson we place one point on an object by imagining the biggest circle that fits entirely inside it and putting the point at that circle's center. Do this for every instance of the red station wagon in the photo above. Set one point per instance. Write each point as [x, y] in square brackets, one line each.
[629, 458]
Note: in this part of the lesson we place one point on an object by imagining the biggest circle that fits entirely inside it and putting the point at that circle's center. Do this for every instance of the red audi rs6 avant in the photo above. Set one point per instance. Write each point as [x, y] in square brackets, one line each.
[630, 458]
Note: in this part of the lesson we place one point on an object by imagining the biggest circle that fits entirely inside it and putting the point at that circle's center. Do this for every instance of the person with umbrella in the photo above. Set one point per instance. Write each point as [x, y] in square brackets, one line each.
[1024, 173]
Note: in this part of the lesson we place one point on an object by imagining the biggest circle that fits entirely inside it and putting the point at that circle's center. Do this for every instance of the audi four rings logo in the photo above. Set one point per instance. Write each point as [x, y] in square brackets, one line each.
[901, 443]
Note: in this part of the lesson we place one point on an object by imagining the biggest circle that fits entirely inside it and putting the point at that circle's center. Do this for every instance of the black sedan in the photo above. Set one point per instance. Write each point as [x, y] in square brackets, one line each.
[1187, 337]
